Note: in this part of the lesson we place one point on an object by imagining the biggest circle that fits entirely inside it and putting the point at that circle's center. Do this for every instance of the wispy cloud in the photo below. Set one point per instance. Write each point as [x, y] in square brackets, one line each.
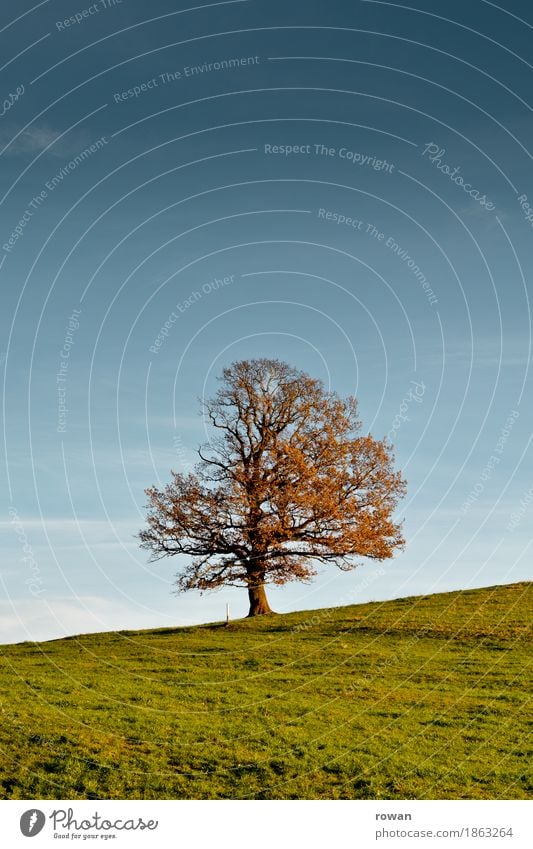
[486, 353]
[38, 138]
[476, 213]
[71, 524]
[50, 618]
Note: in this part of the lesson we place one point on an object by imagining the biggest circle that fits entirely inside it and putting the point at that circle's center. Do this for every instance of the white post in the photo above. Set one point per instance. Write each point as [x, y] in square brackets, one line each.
[227, 614]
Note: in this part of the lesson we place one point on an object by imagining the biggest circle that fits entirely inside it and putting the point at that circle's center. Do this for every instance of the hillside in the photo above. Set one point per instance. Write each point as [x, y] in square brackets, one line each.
[420, 697]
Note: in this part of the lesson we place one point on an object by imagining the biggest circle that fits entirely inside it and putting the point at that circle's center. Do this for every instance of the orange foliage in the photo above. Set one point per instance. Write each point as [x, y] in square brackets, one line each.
[286, 483]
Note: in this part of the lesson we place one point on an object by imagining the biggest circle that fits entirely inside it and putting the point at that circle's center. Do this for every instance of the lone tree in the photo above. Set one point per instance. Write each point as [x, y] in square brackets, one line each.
[287, 482]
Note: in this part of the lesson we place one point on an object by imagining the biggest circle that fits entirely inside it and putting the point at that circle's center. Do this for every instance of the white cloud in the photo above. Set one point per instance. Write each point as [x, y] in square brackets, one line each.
[52, 618]
[37, 138]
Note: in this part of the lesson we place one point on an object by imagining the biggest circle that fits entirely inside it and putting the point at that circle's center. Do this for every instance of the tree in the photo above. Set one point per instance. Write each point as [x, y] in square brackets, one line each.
[287, 482]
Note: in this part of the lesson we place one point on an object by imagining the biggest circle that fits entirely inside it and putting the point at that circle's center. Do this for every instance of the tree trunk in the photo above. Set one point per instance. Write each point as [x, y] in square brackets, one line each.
[258, 600]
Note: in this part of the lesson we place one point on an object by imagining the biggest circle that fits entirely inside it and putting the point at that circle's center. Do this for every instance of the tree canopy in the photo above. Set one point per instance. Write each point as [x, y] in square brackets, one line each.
[287, 482]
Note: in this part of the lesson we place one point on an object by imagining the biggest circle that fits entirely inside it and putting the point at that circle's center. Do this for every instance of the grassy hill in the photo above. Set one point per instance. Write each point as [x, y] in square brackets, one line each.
[422, 697]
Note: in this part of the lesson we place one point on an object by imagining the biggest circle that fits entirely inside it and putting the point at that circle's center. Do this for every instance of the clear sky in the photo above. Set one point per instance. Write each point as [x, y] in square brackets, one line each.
[343, 185]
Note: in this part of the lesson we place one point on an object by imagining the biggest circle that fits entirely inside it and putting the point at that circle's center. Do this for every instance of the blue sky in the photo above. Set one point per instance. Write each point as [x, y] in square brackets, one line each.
[344, 186]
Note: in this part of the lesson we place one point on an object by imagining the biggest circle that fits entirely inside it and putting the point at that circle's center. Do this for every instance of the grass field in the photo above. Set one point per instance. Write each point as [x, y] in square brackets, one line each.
[418, 698]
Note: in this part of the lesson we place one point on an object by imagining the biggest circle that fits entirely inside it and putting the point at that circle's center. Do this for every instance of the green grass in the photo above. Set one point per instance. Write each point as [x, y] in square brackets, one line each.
[418, 698]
